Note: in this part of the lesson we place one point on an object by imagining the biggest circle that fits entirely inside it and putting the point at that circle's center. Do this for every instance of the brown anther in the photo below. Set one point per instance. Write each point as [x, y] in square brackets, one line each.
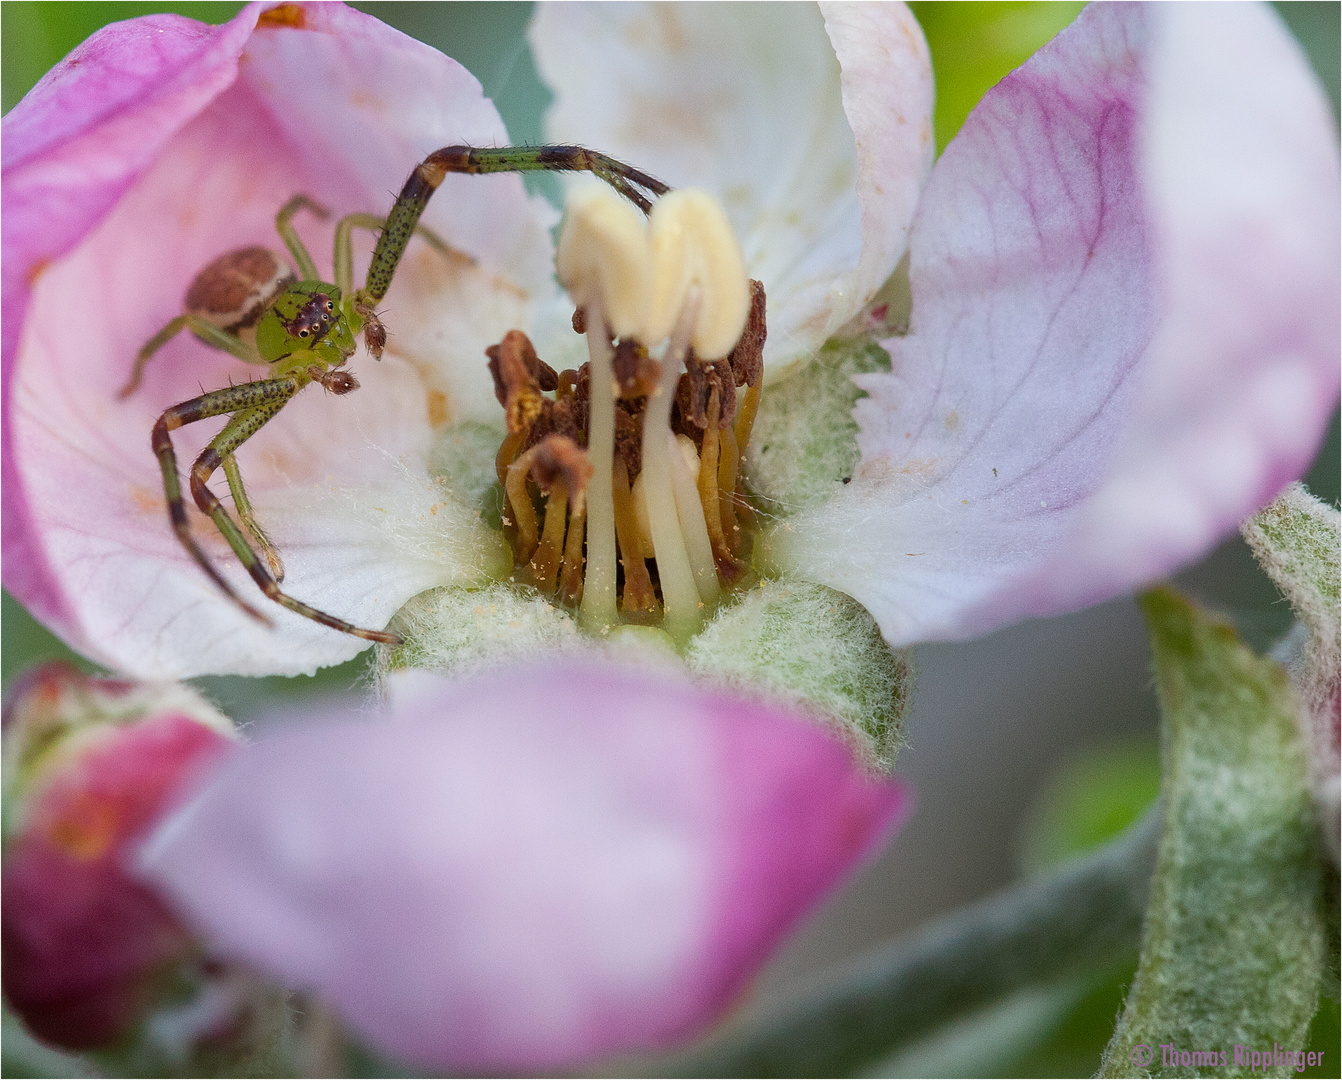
[629, 435]
[559, 457]
[635, 373]
[696, 387]
[519, 377]
[580, 320]
[747, 358]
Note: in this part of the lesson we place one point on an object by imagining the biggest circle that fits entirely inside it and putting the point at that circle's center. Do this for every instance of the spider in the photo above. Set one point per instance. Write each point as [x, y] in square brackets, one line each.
[250, 303]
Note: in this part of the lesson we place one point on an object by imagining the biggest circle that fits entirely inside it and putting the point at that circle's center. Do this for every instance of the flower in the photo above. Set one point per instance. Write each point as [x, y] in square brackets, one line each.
[1124, 275]
[343, 485]
[1123, 338]
[156, 146]
[90, 765]
[482, 881]
[1123, 330]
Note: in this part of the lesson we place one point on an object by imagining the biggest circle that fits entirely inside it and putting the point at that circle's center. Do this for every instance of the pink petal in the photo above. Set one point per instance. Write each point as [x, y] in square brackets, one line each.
[527, 871]
[72, 148]
[341, 109]
[1125, 328]
[819, 161]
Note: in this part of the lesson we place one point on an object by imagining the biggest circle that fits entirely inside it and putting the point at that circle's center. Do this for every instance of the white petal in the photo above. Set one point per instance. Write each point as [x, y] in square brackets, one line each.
[746, 101]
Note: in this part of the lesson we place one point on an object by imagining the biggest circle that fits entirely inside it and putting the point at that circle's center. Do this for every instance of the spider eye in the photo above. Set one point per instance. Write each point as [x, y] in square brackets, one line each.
[302, 333]
[330, 306]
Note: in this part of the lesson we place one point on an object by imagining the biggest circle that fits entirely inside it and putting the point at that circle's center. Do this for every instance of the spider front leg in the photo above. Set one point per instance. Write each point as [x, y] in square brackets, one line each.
[374, 332]
[430, 173]
[253, 404]
[217, 403]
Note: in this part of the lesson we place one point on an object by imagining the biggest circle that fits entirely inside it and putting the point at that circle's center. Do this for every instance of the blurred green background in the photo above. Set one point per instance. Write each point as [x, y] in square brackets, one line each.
[1085, 793]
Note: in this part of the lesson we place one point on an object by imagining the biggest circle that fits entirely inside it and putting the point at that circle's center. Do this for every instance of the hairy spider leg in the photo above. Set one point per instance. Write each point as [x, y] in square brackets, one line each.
[344, 247]
[206, 331]
[424, 181]
[254, 404]
[243, 505]
[284, 225]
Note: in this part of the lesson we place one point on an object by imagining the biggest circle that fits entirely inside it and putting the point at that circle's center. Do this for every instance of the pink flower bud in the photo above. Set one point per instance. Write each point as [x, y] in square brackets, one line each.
[90, 765]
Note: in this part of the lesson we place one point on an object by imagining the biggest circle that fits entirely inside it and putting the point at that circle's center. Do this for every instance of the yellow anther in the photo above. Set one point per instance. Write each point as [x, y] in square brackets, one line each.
[604, 260]
[693, 245]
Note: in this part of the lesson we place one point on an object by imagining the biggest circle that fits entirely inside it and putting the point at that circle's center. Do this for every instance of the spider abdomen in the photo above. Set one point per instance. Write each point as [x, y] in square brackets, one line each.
[235, 290]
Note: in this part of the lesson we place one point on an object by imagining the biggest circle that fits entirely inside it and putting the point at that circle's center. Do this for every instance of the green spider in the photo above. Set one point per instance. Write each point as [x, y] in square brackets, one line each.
[251, 304]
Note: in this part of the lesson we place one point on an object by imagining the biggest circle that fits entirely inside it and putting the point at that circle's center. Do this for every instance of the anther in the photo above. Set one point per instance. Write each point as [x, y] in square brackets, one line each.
[519, 377]
[693, 246]
[603, 261]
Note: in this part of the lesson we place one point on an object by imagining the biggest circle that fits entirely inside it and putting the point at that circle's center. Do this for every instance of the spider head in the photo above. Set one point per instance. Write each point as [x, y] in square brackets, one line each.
[306, 317]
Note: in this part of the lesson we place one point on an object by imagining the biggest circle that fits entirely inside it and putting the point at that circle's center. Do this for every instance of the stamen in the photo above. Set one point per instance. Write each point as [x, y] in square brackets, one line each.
[640, 602]
[727, 473]
[545, 563]
[691, 514]
[677, 437]
[680, 594]
[598, 598]
[555, 459]
[524, 514]
[708, 491]
[570, 576]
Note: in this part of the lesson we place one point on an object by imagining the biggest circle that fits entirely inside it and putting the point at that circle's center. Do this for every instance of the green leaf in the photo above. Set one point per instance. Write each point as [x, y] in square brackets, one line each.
[1233, 945]
[996, 965]
[1296, 540]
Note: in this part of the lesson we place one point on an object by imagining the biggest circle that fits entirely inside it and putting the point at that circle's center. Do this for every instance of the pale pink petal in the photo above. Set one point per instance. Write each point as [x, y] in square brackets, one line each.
[340, 483]
[72, 147]
[1125, 328]
[528, 871]
[819, 171]
[1240, 175]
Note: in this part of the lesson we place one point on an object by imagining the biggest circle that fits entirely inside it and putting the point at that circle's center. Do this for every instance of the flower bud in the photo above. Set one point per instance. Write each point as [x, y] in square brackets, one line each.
[603, 259]
[90, 764]
[693, 245]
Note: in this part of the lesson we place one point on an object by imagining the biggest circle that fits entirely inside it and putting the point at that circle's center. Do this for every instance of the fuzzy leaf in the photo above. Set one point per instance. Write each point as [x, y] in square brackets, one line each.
[1233, 945]
[1295, 539]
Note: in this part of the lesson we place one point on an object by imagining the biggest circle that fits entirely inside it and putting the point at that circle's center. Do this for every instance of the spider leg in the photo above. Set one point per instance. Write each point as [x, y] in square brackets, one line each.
[206, 331]
[243, 505]
[307, 269]
[431, 171]
[344, 258]
[246, 423]
[216, 403]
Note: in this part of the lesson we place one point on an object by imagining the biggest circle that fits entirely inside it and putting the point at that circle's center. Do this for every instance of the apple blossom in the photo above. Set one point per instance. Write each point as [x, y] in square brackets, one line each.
[1076, 327]
[488, 880]
[1123, 339]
